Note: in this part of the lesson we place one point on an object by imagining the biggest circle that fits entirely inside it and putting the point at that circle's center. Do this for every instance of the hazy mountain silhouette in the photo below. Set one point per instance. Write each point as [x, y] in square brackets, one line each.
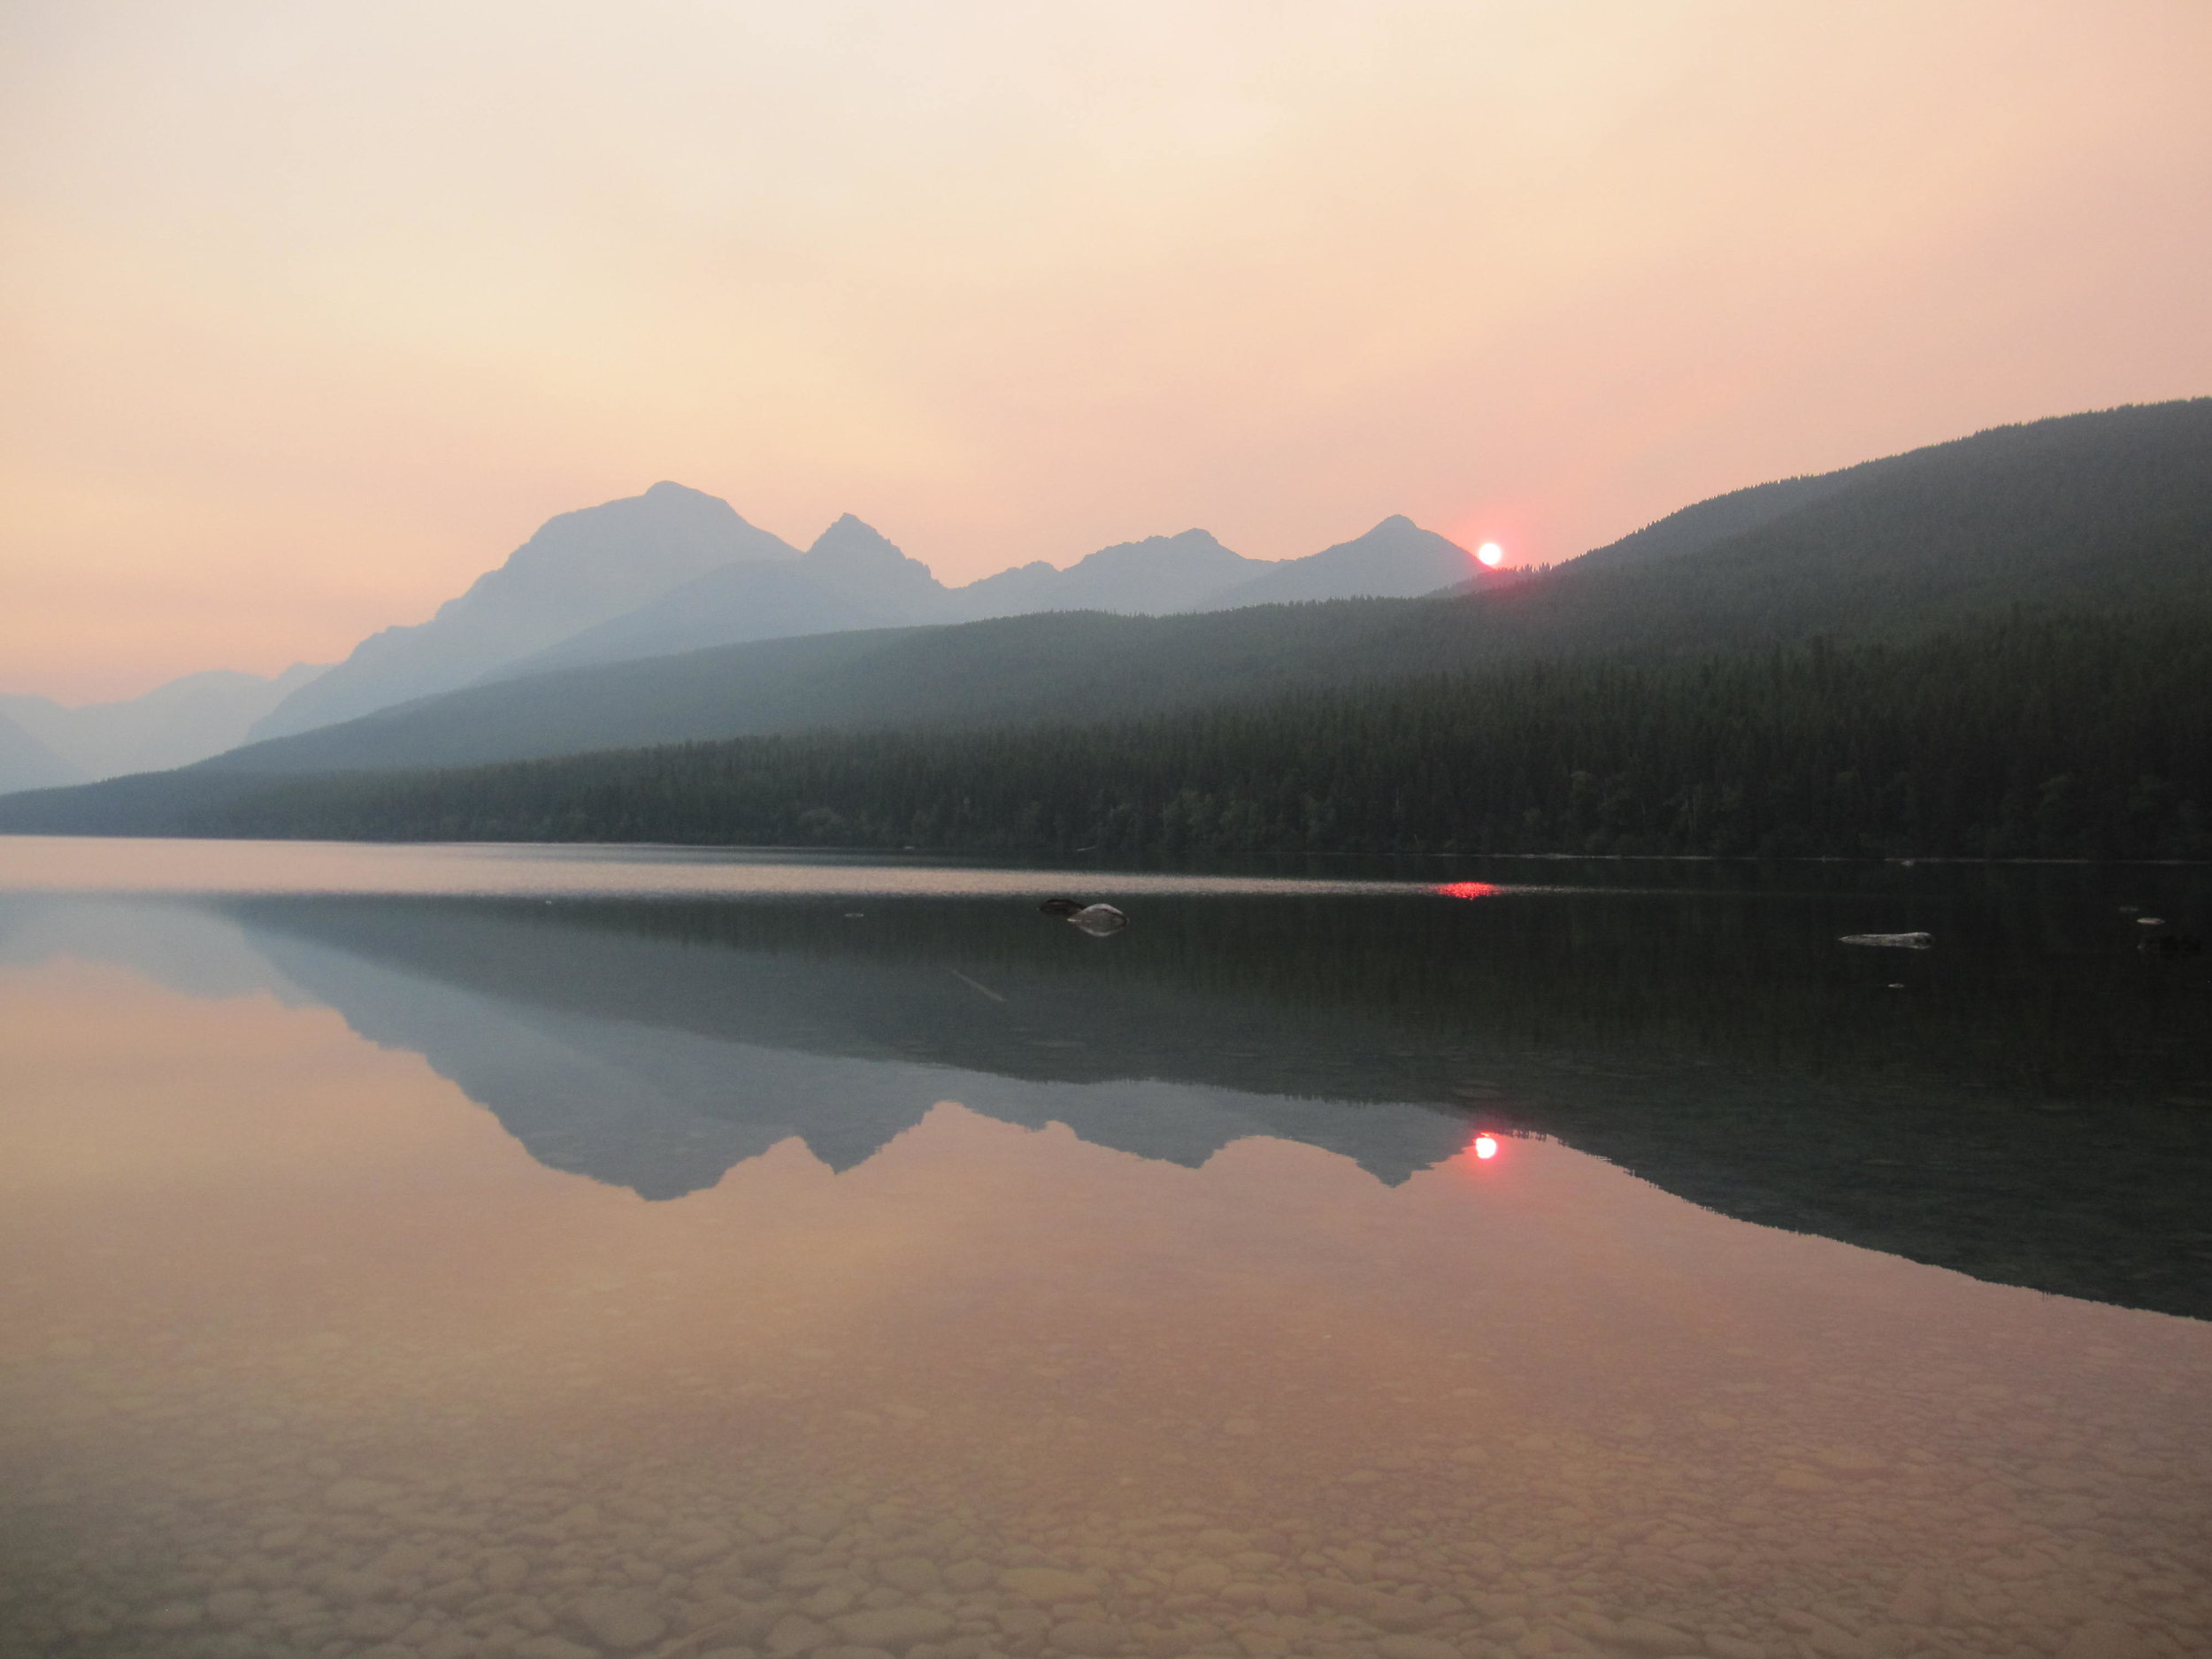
[2084, 514]
[1154, 577]
[27, 763]
[1397, 559]
[1060, 666]
[173, 724]
[579, 570]
[2025, 1109]
[851, 578]
[662, 1090]
[176, 724]
[854, 578]
[1766, 1073]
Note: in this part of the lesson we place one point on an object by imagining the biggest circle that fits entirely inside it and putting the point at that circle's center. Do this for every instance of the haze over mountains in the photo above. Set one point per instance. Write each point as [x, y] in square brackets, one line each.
[2085, 511]
[669, 571]
[738, 633]
[43, 743]
[579, 569]
[674, 570]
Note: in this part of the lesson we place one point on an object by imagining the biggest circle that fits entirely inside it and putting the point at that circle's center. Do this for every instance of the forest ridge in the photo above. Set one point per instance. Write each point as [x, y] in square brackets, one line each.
[2000, 647]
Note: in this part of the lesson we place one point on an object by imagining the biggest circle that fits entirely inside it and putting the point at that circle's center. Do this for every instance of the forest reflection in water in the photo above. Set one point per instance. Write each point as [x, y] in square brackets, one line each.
[907, 1353]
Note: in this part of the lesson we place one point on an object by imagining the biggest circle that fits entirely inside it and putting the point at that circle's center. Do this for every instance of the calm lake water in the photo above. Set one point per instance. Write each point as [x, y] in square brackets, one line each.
[541, 1253]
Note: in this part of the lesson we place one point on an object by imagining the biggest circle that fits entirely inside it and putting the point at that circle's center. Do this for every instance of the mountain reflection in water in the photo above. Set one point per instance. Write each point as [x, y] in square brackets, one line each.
[2019, 1105]
[910, 1355]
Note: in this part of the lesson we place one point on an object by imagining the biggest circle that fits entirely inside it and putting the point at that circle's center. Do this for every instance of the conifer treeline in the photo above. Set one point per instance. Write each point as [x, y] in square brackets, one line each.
[2032, 737]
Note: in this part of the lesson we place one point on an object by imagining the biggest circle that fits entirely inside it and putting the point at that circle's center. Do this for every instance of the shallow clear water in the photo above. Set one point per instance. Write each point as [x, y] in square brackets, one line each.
[554, 1252]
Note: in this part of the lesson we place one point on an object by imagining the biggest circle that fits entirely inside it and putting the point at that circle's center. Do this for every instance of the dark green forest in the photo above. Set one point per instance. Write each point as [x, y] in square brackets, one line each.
[2030, 737]
[2087, 514]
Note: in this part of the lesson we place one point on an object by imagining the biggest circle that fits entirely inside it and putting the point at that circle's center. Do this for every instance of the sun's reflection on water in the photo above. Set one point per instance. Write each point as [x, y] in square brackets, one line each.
[304, 1354]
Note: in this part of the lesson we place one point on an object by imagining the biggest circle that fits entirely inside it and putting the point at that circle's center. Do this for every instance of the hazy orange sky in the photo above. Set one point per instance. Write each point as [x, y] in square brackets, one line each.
[310, 312]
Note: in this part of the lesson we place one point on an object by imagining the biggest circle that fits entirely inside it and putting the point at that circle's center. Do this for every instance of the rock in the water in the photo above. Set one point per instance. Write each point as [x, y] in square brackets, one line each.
[965, 1576]
[1415, 1647]
[377, 1621]
[233, 1607]
[1339, 1597]
[1024, 1624]
[1642, 1635]
[1094, 1637]
[917, 1575]
[1400, 1612]
[831, 1600]
[358, 1494]
[619, 1621]
[2104, 1639]
[795, 1634]
[552, 1647]
[895, 1628]
[1052, 1584]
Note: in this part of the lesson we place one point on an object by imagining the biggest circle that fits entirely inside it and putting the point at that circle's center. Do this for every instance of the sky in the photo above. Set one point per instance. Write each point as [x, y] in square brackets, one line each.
[310, 312]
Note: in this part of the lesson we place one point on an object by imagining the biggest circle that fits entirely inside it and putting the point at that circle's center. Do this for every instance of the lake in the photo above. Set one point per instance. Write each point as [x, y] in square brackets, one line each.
[536, 1252]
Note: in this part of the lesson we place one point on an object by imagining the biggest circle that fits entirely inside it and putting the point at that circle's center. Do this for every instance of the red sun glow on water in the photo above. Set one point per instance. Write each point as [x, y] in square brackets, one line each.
[1485, 1147]
[1464, 890]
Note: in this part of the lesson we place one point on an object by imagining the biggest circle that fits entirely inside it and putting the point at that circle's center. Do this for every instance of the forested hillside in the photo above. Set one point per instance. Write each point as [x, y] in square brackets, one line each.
[1997, 646]
[2081, 737]
[2087, 513]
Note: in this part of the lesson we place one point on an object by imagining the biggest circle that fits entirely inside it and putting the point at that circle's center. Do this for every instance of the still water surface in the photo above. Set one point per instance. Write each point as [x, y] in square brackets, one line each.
[535, 1254]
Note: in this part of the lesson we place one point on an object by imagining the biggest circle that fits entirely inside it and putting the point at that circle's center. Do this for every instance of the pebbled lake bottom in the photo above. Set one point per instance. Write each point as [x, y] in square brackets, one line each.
[503, 1255]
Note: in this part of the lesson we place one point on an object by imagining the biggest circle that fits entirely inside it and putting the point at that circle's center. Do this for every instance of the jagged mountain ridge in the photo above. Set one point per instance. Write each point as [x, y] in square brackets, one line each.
[854, 578]
[851, 578]
[2098, 511]
[579, 569]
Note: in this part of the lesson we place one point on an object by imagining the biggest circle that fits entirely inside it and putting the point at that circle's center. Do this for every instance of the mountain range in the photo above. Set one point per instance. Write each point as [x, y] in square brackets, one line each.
[2112, 510]
[671, 571]
[43, 743]
[852, 578]
[668, 619]
[674, 570]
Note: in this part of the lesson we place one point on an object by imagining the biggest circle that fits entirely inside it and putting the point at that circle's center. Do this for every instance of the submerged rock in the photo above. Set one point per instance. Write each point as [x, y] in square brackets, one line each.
[619, 1621]
[1092, 918]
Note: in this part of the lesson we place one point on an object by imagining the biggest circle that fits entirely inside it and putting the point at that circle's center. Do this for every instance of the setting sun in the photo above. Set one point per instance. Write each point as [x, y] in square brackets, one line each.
[1491, 554]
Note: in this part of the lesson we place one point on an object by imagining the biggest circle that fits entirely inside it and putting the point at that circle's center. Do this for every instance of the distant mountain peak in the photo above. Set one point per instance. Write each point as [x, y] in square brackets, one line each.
[852, 540]
[859, 559]
[577, 569]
